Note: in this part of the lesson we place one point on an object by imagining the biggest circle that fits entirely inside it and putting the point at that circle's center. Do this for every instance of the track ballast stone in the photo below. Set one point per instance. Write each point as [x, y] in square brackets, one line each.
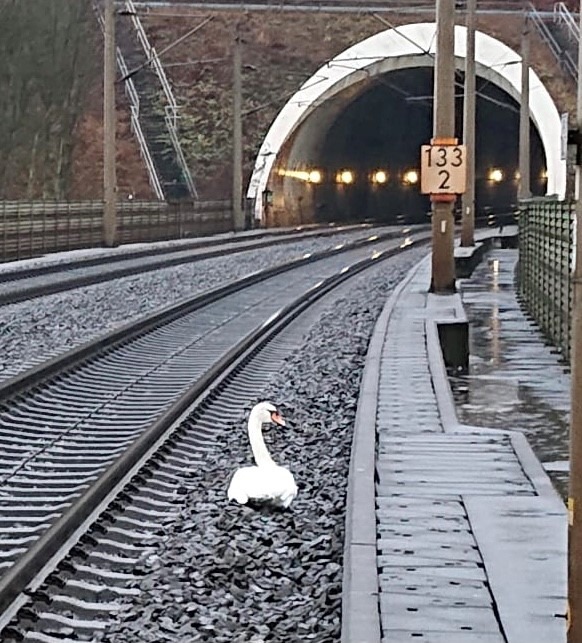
[36, 330]
[223, 572]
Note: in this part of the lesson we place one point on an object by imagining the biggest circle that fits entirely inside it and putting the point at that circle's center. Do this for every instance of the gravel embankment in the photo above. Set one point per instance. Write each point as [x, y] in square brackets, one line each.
[223, 572]
[35, 330]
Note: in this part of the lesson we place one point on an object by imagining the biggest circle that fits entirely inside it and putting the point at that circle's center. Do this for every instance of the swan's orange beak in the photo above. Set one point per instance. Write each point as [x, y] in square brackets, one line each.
[277, 418]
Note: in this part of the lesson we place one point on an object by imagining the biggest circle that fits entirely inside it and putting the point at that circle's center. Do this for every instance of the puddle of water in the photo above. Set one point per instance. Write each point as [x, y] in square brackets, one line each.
[515, 381]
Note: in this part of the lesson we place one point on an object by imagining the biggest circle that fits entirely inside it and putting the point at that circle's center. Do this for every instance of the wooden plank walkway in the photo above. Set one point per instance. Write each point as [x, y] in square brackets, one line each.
[470, 537]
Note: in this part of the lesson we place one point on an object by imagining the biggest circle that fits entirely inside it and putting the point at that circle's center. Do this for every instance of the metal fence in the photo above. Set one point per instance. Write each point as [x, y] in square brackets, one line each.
[30, 229]
[545, 262]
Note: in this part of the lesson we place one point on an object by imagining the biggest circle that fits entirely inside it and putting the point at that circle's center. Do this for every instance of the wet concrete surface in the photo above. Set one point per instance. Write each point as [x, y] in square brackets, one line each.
[516, 380]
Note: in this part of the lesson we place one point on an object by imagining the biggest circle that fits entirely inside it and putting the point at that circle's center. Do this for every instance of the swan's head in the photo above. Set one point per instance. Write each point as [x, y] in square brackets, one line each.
[265, 412]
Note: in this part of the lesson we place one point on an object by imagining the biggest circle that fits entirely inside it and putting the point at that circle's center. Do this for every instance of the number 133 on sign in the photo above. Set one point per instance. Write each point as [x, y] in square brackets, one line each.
[442, 169]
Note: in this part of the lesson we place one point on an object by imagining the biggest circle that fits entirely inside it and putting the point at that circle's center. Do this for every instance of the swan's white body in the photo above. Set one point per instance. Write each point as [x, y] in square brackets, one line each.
[267, 481]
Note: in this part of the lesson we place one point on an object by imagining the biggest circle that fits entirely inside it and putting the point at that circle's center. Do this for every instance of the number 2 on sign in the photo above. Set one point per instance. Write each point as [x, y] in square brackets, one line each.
[445, 176]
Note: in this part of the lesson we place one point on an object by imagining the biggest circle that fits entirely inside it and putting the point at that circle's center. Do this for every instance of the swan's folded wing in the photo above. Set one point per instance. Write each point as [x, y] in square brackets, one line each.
[237, 489]
[269, 483]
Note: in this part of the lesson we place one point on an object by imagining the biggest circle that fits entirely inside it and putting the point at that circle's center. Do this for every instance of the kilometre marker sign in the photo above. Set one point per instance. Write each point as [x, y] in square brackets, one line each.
[442, 169]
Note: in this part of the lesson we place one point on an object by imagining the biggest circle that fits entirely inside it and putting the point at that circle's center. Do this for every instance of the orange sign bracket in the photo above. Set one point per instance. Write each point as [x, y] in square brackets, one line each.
[443, 198]
[444, 140]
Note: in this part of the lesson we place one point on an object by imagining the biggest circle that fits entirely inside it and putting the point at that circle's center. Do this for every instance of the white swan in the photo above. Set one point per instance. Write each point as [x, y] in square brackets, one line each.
[267, 481]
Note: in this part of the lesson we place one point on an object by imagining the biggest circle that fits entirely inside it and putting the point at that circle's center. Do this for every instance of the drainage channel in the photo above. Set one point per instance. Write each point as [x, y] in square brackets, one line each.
[83, 590]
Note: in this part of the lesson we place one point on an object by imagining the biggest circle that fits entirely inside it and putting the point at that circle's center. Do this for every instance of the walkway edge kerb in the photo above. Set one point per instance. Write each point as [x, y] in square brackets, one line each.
[360, 588]
[437, 368]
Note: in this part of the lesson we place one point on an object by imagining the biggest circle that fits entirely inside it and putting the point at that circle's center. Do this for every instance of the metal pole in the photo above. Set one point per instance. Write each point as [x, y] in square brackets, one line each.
[575, 486]
[468, 201]
[443, 231]
[109, 179]
[524, 160]
[237, 209]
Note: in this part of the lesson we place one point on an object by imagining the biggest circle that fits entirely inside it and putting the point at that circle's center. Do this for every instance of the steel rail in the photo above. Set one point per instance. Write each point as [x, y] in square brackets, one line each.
[30, 571]
[17, 273]
[69, 360]
[188, 253]
[62, 435]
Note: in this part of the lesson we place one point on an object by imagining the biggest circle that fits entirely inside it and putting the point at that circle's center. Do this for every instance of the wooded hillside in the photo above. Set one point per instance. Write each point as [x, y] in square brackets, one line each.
[51, 88]
[48, 63]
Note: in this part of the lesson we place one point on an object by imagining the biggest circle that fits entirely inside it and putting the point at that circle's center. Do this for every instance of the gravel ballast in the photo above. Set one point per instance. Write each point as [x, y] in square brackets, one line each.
[38, 329]
[224, 572]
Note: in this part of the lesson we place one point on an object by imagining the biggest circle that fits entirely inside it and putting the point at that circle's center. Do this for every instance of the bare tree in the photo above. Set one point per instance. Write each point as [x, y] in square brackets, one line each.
[48, 66]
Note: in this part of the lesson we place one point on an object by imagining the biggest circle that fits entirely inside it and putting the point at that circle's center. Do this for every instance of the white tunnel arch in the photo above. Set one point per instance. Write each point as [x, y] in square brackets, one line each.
[411, 45]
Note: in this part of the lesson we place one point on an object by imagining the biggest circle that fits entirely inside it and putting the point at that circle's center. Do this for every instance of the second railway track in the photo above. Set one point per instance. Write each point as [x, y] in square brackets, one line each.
[79, 434]
[20, 284]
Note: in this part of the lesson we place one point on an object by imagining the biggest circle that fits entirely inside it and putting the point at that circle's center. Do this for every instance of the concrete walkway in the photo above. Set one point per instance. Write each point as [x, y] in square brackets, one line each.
[459, 536]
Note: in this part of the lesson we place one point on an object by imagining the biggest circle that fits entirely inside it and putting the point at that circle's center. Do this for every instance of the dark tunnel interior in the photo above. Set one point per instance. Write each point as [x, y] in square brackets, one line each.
[384, 128]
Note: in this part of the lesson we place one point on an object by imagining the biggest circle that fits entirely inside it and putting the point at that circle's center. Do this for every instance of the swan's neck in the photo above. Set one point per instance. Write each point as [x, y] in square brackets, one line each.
[258, 446]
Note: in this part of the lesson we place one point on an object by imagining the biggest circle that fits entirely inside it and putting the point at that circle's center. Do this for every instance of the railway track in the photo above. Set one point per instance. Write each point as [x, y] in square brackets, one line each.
[93, 445]
[20, 284]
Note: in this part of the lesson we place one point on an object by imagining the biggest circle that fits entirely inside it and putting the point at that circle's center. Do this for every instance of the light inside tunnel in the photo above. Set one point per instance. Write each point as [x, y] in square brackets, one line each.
[304, 127]
[345, 176]
[410, 177]
[375, 139]
[309, 176]
[379, 176]
[495, 175]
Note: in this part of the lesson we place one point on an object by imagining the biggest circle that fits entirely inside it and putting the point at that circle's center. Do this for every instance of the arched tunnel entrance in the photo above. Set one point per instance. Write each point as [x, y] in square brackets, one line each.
[347, 144]
[368, 162]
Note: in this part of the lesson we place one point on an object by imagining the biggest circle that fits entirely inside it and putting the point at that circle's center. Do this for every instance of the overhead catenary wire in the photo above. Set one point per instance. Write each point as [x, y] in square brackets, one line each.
[166, 49]
[335, 6]
[335, 61]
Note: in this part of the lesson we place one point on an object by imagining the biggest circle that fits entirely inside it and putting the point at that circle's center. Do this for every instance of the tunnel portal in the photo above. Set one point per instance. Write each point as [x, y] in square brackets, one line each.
[366, 165]
[370, 97]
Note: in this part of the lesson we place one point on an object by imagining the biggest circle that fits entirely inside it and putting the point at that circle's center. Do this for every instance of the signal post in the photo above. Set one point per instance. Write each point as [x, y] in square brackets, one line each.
[574, 607]
[468, 203]
[443, 162]
[109, 171]
[237, 170]
[443, 176]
